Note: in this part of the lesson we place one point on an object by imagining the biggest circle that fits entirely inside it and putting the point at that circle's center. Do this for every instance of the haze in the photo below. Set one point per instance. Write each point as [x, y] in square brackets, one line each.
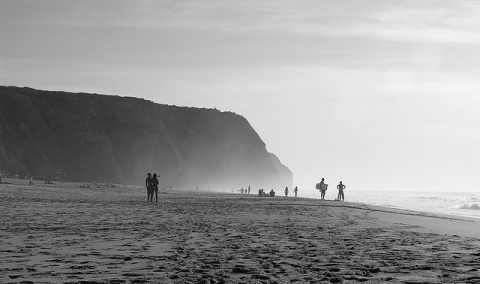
[382, 95]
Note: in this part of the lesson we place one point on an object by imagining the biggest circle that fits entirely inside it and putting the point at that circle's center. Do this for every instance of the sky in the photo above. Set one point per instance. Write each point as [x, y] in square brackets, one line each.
[383, 95]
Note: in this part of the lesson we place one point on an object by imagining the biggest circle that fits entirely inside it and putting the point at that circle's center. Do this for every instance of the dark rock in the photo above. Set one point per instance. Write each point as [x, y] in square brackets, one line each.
[131, 274]
[139, 280]
[336, 279]
[240, 269]
[261, 276]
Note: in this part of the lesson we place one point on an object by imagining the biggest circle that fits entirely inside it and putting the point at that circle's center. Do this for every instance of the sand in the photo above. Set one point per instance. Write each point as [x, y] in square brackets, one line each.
[65, 234]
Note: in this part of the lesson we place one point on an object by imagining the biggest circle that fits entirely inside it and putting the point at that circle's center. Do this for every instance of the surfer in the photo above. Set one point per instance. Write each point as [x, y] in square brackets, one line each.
[323, 188]
[341, 187]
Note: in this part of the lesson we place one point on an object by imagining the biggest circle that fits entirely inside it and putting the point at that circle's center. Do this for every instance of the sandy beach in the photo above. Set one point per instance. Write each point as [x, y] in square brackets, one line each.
[61, 233]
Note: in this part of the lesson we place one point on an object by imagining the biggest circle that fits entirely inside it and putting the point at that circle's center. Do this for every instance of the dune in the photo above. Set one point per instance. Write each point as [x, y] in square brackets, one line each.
[62, 233]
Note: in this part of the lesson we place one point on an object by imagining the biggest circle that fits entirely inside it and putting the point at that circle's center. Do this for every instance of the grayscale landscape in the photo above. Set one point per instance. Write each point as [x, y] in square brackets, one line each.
[222, 141]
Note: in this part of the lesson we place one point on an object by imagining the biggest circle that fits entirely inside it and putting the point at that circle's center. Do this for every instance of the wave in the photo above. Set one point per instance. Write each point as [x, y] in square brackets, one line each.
[473, 206]
[432, 198]
[476, 197]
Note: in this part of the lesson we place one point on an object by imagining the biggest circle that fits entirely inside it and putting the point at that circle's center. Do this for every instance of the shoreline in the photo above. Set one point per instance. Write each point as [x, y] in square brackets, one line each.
[12, 181]
[138, 190]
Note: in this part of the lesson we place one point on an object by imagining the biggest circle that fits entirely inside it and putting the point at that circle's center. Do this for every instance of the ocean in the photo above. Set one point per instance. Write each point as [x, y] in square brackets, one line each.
[464, 204]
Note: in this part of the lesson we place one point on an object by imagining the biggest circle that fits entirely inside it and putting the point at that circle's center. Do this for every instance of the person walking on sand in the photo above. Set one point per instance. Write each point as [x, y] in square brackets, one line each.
[149, 185]
[155, 187]
[295, 190]
[323, 189]
[341, 187]
[286, 191]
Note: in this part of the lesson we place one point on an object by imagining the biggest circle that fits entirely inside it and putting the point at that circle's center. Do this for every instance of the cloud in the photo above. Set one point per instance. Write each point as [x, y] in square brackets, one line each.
[426, 21]
[458, 24]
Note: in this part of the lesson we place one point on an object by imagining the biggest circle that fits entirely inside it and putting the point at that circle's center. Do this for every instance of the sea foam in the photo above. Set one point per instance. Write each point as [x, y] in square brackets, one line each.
[474, 206]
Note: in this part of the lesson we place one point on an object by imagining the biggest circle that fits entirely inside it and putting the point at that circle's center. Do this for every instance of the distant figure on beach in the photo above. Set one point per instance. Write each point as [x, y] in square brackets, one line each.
[286, 191]
[295, 190]
[241, 190]
[155, 187]
[260, 192]
[85, 185]
[248, 189]
[31, 181]
[272, 193]
[323, 189]
[341, 187]
[149, 185]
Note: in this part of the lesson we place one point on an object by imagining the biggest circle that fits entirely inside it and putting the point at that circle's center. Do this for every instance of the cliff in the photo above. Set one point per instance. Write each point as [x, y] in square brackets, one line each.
[87, 137]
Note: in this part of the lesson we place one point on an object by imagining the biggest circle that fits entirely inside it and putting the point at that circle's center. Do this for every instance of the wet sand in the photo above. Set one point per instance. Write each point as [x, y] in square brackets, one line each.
[65, 234]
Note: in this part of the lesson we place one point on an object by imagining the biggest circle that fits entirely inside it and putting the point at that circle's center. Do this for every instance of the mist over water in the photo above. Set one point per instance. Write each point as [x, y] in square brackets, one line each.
[464, 204]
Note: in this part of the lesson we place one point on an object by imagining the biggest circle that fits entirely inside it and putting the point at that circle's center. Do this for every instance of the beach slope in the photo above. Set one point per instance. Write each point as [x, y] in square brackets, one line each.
[65, 234]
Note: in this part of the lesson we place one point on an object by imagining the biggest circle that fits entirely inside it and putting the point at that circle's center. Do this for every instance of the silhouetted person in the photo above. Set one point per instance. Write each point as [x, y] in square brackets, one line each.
[286, 191]
[341, 187]
[241, 190]
[323, 188]
[260, 192]
[272, 193]
[154, 187]
[149, 185]
[295, 190]
[248, 189]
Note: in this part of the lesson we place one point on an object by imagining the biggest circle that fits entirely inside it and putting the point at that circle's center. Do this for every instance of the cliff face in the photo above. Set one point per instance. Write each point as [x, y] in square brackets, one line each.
[282, 170]
[117, 139]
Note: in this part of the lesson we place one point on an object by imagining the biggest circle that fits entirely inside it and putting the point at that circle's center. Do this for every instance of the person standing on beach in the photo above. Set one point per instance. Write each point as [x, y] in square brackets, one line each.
[286, 191]
[154, 187]
[341, 187]
[149, 185]
[295, 190]
[323, 189]
[248, 189]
